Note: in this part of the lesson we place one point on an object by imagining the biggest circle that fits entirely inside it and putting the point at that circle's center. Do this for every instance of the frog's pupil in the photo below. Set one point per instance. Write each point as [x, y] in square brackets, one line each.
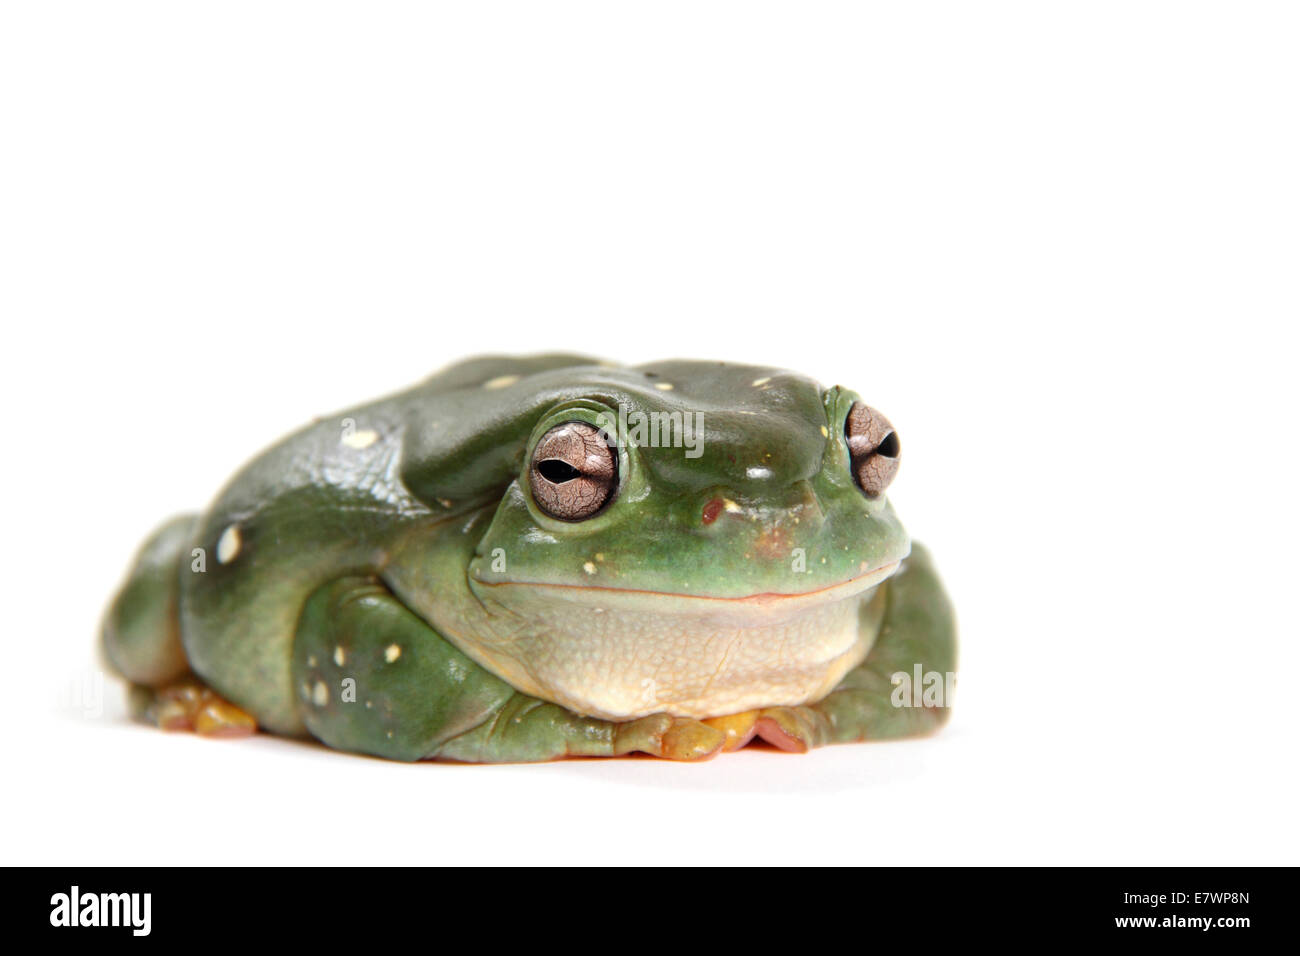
[888, 446]
[557, 471]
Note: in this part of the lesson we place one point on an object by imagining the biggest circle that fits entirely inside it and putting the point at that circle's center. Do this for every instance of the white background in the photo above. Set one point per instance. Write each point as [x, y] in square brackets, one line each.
[1056, 244]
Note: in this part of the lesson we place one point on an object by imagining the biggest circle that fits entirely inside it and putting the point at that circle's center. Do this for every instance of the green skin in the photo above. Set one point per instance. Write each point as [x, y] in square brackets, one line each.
[409, 523]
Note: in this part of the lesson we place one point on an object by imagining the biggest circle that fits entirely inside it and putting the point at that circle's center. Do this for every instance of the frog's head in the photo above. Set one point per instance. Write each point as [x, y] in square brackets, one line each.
[696, 537]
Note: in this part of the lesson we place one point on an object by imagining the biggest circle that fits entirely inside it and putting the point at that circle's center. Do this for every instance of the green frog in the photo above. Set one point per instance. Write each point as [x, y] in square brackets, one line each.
[527, 558]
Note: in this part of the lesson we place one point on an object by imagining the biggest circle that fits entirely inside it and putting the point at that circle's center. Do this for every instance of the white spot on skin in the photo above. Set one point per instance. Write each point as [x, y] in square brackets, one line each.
[320, 694]
[501, 381]
[392, 653]
[761, 381]
[664, 386]
[825, 433]
[228, 544]
[339, 656]
[311, 660]
[589, 567]
[758, 471]
[730, 505]
[362, 439]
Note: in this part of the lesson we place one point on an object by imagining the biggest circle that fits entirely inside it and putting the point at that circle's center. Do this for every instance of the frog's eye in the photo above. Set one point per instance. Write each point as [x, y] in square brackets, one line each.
[873, 448]
[574, 471]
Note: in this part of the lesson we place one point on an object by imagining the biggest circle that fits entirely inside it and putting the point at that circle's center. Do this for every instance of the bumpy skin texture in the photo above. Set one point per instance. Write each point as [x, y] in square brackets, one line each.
[385, 581]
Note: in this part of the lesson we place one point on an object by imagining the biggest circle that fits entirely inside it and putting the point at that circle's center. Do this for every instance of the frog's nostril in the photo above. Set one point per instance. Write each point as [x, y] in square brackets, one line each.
[711, 511]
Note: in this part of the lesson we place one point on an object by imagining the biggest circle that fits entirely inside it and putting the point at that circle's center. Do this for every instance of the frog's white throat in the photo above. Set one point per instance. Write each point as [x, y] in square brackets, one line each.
[619, 654]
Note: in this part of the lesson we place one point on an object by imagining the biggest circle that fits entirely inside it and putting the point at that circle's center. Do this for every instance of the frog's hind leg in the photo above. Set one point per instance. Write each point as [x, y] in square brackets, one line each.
[373, 677]
[142, 641]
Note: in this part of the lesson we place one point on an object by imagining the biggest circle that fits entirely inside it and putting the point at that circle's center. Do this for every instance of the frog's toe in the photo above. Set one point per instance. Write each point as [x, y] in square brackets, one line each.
[674, 738]
[737, 729]
[189, 704]
[792, 729]
[691, 740]
[218, 717]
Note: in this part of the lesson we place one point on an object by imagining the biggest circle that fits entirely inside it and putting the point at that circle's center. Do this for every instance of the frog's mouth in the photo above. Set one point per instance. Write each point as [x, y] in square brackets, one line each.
[763, 602]
[621, 653]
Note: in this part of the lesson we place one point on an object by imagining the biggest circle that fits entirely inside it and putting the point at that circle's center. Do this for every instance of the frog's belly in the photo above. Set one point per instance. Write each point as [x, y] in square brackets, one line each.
[619, 659]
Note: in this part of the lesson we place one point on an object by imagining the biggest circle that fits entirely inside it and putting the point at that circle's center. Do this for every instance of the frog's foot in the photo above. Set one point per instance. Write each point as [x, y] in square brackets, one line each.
[792, 729]
[530, 729]
[674, 738]
[189, 704]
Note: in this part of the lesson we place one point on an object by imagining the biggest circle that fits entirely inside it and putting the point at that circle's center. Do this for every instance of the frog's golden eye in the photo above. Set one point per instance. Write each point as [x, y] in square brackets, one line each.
[873, 448]
[574, 471]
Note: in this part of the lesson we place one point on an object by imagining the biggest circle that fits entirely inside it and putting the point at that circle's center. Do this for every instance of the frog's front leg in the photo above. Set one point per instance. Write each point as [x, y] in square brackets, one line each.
[873, 701]
[373, 677]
